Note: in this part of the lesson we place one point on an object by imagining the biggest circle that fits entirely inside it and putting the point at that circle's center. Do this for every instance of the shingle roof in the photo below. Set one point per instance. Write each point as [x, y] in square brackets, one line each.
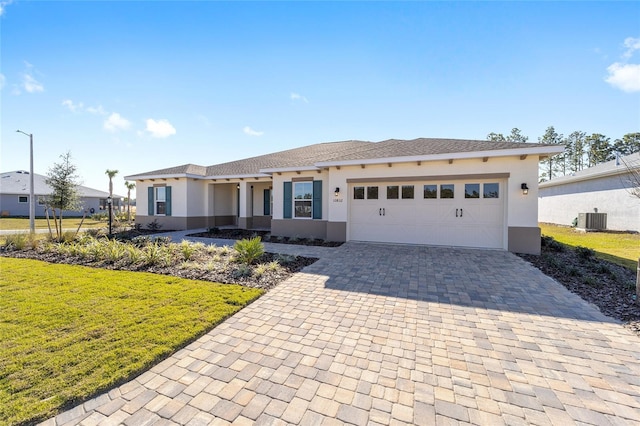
[613, 167]
[308, 156]
[17, 182]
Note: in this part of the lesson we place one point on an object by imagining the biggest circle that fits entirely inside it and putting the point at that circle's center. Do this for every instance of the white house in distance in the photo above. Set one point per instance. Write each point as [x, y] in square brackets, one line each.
[447, 192]
[14, 196]
[604, 188]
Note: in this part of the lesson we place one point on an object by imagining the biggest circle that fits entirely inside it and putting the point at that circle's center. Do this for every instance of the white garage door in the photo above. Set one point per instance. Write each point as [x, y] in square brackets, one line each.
[467, 213]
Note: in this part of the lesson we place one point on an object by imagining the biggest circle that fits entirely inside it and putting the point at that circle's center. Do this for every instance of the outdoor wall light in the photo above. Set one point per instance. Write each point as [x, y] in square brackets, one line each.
[238, 186]
[337, 191]
[525, 189]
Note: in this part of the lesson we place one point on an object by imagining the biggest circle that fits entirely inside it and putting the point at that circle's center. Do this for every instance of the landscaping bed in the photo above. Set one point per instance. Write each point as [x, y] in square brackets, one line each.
[158, 255]
[238, 234]
[611, 287]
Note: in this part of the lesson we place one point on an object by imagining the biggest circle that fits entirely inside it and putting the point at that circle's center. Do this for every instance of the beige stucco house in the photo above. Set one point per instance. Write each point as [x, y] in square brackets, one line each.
[447, 192]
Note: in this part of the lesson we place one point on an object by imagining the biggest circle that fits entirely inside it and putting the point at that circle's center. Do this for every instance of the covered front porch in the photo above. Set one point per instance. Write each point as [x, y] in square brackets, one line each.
[241, 204]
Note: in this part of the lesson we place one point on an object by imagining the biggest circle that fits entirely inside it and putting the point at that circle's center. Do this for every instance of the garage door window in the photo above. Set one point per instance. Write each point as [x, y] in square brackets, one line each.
[358, 193]
[491, 190]
[430, 191]
[407, 192]
[392, 192]
[446, 190]
[471, 190]
[372, 192]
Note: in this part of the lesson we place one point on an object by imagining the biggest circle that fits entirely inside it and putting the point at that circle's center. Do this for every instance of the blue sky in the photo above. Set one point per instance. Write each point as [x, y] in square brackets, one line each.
[139, 86]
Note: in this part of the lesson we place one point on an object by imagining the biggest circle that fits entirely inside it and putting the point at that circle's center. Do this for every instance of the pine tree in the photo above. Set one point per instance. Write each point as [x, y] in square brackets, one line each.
[598, 149]
[552, 165]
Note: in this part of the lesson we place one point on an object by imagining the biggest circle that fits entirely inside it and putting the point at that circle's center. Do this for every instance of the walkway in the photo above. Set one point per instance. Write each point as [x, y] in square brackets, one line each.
[381, 334]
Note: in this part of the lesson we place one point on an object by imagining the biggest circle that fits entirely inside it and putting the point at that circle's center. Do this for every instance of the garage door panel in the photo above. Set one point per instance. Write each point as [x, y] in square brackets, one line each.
[458, 221]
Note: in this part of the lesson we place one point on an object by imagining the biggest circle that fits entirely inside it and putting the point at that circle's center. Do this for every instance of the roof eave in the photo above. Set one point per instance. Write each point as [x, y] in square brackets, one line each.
[161, 176]
[538, 150]
[290, 169]
[581, 178]
[240, 177]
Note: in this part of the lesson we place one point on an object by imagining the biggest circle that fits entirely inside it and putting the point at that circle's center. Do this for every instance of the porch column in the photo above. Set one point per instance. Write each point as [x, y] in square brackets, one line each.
[245, 218]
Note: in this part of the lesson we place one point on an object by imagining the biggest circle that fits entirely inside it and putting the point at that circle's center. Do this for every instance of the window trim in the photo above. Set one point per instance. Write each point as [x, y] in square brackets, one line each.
[25, 197]
[294, 199]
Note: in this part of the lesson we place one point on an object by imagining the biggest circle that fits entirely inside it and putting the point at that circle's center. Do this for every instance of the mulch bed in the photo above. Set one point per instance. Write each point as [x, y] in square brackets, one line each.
[238, 234]
[611, 287]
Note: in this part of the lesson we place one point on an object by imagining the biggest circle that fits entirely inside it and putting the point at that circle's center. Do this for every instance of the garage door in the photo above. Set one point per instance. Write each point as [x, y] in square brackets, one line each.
[467, 213]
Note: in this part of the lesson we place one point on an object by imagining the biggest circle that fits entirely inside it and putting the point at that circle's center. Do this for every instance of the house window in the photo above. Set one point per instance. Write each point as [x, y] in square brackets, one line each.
[303, 199]
[161, 200]
[392, 192]
[430, 191]
[23, 199]
[358, 193]
[372, 192]
[491, 190]
[446, 190]
[407, 192]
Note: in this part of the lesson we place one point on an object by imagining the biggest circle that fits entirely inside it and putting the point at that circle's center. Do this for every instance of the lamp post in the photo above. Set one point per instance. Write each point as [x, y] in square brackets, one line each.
[109, 201]
[32, 198]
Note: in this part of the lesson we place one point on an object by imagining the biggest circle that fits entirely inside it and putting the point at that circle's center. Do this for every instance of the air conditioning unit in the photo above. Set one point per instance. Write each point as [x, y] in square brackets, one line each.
[592, 221]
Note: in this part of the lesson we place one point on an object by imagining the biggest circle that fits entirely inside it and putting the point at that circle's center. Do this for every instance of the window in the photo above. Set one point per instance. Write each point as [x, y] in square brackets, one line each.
[23, 199]
[471, 190]
[430, 191]
[491, 190]
[372, 192]
[446, 190]
[407, 192]
[161, 200]
[358, 193]
[303, 199]
[392, 192]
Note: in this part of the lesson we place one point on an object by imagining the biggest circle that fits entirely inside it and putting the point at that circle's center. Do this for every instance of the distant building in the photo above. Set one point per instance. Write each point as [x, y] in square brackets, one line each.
[14, 196]
[604, 188]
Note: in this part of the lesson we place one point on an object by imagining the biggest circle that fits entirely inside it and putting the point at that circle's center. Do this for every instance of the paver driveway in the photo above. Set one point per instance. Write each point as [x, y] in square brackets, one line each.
[395, 335]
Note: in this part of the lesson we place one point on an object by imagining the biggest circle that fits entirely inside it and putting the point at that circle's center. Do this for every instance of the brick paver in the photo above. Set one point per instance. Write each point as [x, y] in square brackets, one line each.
[389, 334]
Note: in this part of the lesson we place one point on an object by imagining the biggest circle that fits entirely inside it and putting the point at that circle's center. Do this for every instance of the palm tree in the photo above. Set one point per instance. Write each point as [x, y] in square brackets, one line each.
[111, 174]
[130, 186]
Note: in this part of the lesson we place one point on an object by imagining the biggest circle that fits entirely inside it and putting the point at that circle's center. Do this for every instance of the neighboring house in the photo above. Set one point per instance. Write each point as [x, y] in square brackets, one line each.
[14, 196]
[605, 188]
[423, 191]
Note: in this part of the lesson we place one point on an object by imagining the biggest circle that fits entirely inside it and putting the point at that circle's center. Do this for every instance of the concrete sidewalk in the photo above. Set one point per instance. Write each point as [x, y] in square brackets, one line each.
[381, 334]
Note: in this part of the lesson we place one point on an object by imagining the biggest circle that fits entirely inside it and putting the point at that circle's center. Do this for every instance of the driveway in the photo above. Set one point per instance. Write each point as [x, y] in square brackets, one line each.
[386, 334]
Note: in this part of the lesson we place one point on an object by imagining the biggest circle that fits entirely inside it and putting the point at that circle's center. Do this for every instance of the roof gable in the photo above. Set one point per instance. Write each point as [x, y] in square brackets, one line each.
[18, 182]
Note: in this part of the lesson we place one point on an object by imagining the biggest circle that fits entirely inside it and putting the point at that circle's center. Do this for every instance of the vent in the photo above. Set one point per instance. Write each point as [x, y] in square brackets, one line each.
[592, 221]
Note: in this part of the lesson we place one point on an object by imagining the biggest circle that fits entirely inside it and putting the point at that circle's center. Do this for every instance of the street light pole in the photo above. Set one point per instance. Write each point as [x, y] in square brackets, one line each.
[32, 198]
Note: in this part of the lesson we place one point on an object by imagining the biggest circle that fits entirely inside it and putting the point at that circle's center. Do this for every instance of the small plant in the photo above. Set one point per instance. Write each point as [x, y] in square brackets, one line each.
[154, 225]
[259, 270]
[248, 251]
[585, 252]
[214, 230]
[285, 259]
[17, 241]
[187, 249]
[273, 265]
[294, 239]
[212, 249]
[153, 254]
[242, 271]
[164, 241]
[551, 243]
[133, 254]
[592, 282]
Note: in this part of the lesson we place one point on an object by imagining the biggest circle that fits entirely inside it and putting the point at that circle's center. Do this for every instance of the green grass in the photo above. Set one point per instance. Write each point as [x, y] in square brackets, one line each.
[623, 249]
[19, 223]
[69, 332]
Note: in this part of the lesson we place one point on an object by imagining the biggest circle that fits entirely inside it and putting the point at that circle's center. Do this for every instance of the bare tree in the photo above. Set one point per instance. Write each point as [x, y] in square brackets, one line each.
[633, 180]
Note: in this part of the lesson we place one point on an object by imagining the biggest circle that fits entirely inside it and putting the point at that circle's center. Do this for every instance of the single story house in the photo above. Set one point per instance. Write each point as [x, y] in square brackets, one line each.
[604, 188]
[469, 193]
[14, 196]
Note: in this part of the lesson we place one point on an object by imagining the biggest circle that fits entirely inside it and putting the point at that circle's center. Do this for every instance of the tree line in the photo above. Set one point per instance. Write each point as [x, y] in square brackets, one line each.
[581, 150]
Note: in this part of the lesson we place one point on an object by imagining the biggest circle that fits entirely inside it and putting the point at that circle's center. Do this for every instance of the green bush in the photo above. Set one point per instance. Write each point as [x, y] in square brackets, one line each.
[249, 250]
[20, 241]
[585, 252]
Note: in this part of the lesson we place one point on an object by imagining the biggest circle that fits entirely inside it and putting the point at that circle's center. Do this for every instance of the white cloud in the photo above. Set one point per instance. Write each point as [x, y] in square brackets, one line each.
[73, 107]
[97, 110]
[632, 44]
[625, 77]
[30, 84]
[2, 81]
[160, 129]
[249, 131]
[116, 122]
[3, 6]
[298, 97]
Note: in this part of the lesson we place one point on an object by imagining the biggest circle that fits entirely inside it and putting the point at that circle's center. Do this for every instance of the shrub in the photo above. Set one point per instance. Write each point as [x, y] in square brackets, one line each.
[551, 244]
[154, 226]
[249, 250]
[242, 271]
[284, 259]
[215, 230]
[154, 254]
[585, 252]
[592, 282]
[19, 241]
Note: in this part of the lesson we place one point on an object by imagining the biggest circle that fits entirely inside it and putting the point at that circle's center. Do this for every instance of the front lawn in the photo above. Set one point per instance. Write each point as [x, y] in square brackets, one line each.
[22, 224]
[620, 248]
[69, 332]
